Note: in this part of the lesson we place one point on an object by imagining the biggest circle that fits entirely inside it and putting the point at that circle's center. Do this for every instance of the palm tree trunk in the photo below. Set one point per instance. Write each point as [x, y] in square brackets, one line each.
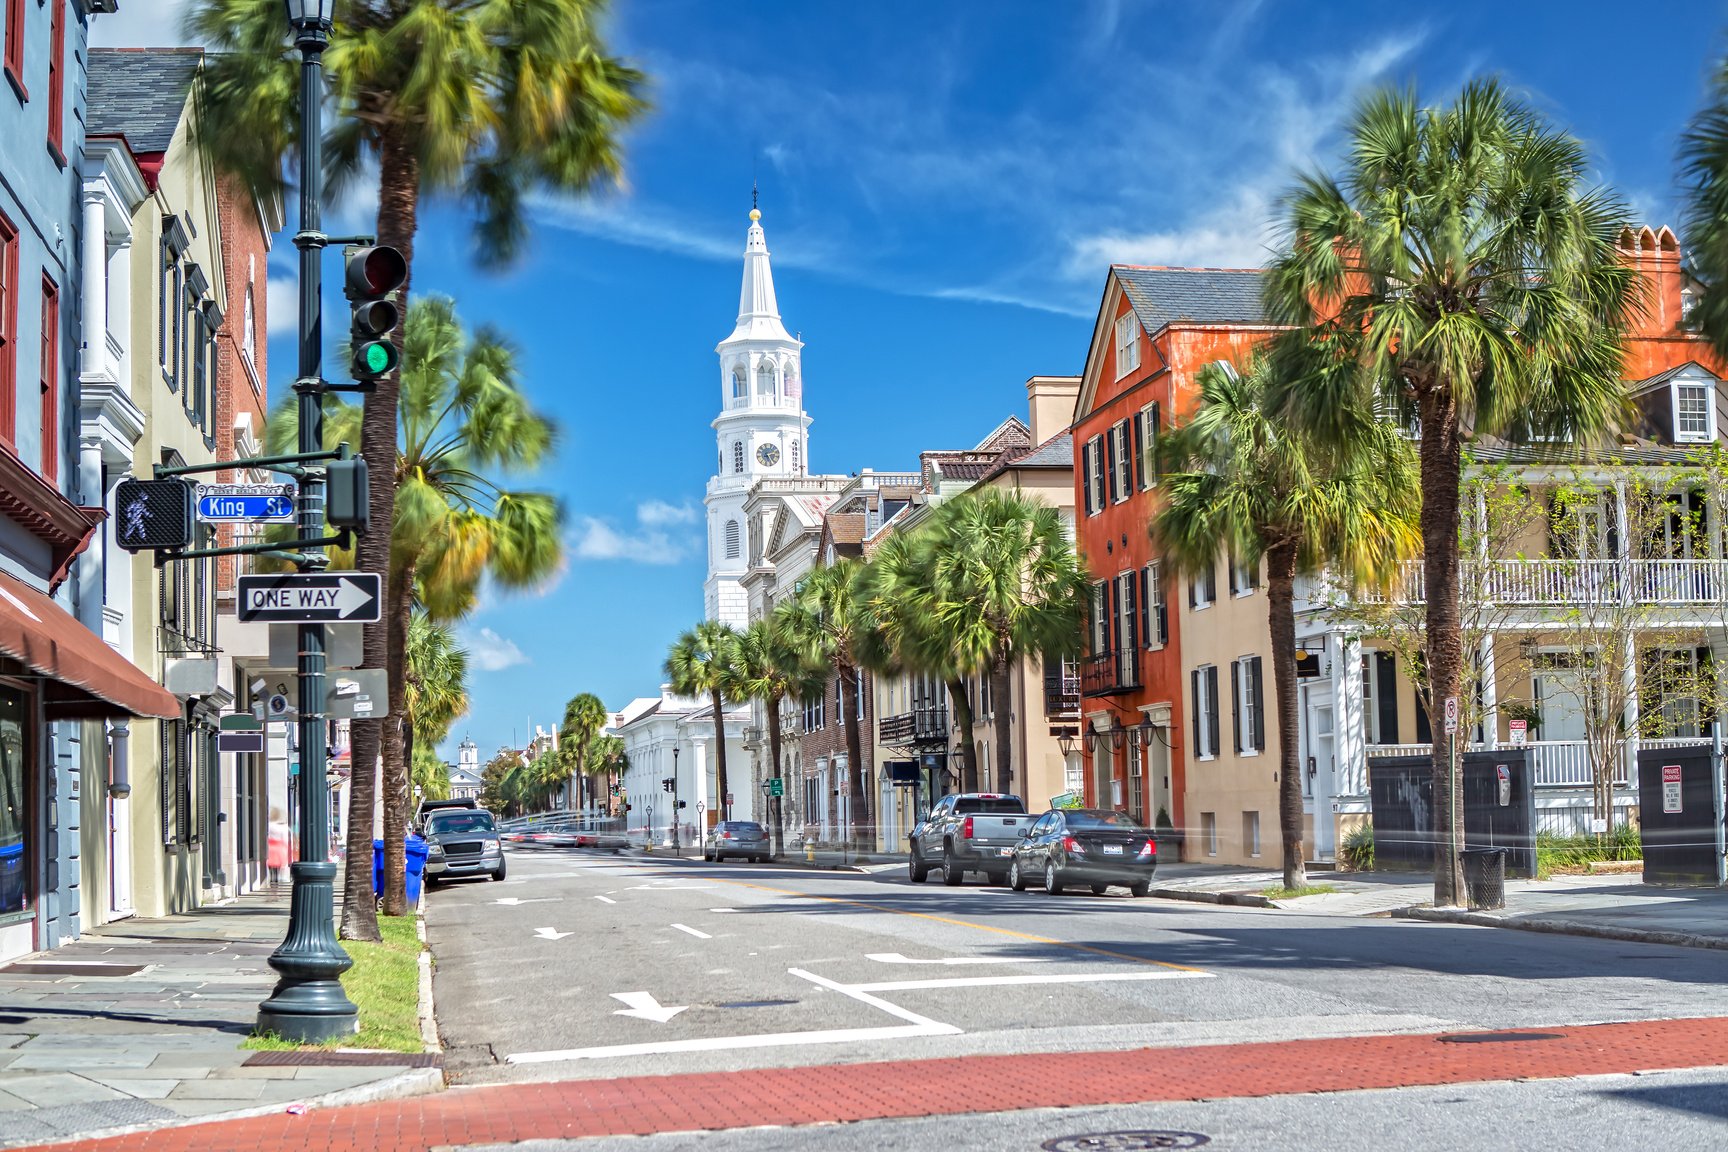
[724, 804]
[962, 706]
[1002, 712]
[1441, 472]
[1281, 618]
[863, 834]
[772, 706]
[398, 209]
[400, 602]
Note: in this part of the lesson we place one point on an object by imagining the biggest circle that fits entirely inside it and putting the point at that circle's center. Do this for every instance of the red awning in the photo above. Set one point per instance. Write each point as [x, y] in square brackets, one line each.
[82, 677]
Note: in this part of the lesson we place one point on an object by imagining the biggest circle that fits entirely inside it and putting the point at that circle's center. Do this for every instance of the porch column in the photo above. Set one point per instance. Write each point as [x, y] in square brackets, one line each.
[93, 290]
[1490, 695]
[1630, 680]
[1349, 733]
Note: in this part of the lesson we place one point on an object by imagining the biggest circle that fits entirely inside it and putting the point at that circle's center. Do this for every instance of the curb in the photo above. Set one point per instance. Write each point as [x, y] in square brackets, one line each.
[1196, 896]
[428, 1016]
[1565, 928]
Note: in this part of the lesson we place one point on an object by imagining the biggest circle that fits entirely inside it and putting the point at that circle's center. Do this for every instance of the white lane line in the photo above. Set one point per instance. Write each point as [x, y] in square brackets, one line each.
[693, 932]
[1061, 978]
[722, 909]
[861, 992]
[607, 899]
[896, 958]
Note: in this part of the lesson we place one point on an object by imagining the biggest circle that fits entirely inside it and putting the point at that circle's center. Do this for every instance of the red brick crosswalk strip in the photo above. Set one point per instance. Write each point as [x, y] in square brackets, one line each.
[642, 1105]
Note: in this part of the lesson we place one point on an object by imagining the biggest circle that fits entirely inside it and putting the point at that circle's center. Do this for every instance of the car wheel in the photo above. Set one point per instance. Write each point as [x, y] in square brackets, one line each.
[706, 856]
[916, 870]
[952, 872]
[1016, 878]
[499, 874]
[1141, 889]
[1052, 884]
[1100, 889]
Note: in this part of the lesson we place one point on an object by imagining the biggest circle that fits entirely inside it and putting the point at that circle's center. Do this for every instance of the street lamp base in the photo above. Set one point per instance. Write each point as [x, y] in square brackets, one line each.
[308, 1004]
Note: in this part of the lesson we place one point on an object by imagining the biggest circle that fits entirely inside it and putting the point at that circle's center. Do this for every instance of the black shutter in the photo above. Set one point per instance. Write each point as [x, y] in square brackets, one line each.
[1257, 704]
[1236, 716]
[1156, 430]
[1147, 634]
[1086, 475]
[1212, 716]
[1386, 695]
[1199, 719]
[1230, 562]
[1109, 493]
[1136, 479]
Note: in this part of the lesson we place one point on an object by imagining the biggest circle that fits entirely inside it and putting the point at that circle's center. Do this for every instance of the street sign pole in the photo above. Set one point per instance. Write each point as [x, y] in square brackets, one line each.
[308, 1004]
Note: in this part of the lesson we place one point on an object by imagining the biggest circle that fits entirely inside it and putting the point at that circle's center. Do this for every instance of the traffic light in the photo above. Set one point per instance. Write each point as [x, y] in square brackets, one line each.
[666, 784]
[153, 514]
[373, 276]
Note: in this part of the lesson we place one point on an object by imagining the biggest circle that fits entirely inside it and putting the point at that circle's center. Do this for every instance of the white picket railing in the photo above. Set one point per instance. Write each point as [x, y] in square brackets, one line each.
[1562, 582]
[1557, 763]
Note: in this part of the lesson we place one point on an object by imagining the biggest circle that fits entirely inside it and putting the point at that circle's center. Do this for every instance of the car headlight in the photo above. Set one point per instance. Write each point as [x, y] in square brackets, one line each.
[489, 845]
[435, 850]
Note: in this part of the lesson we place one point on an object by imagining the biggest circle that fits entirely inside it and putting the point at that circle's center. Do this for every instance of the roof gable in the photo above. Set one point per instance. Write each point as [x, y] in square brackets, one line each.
[140, 93]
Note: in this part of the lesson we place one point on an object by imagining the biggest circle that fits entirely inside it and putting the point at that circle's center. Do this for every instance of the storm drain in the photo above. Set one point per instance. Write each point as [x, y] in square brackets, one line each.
[757, 1004]
[1125, 1141]
[1499, 1037]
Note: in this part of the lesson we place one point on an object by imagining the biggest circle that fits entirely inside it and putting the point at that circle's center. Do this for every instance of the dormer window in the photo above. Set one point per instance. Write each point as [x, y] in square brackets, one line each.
[1127, 344]
[1693, 420]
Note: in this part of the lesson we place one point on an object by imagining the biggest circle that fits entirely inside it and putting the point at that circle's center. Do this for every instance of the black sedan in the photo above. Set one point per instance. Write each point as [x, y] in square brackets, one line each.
[1085, 846]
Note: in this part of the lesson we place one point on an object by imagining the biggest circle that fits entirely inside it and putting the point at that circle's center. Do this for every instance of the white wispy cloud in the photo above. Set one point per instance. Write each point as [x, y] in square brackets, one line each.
[146, 24]
[490, 652]
[655, 538]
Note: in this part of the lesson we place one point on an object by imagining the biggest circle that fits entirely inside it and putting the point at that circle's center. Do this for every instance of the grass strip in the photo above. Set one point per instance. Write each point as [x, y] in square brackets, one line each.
[384, 984]
[1277, 892]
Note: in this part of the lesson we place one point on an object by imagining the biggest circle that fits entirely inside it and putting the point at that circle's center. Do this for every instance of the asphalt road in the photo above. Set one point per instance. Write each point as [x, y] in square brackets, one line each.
[573, 967]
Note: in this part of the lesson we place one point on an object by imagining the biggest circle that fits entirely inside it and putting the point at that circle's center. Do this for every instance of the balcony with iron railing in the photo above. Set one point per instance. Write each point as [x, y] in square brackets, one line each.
[1062, 691]
[927, 725]
[1110, 673]
[1562, 583]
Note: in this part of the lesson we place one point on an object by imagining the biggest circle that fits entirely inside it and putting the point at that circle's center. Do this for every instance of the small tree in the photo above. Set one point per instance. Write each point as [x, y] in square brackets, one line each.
[700, 664]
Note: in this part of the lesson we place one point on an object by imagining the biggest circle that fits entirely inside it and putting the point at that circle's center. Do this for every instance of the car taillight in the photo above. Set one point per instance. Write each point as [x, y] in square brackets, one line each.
[1070, 844]
[966, 828]
[1149, 849]
[725, 835]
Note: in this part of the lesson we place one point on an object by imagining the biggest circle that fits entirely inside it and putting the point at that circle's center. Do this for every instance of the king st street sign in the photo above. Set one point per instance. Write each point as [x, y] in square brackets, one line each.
[312, 597]
[246, 503]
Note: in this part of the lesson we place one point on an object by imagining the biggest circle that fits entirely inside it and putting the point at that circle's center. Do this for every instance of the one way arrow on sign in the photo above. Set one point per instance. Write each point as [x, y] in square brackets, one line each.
[310, 598]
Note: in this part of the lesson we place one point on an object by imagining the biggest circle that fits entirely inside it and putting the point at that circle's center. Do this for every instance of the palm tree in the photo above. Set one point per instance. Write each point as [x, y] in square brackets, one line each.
[829, 622]
[700, 664]
[1005, 584]
[768, 667]
[900, 582]
[1704, 167]
[1475, 275]
[1250, 484]
[464, 422]
[584, 717]
[436, 693]
[480, 101]
[605, 757]
[431, 776]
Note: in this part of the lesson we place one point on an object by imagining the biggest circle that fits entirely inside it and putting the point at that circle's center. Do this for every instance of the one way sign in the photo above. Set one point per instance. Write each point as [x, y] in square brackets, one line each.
[312, 597]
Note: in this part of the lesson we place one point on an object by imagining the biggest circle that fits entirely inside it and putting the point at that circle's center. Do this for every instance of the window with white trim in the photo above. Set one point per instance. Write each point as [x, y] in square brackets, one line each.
[1204, 686]
[740, 386]
[1094, 465]
[1121, 462]
[1127, 344]
[1147, 439]
[1250, 722]
[1692, 420]
[1203, 587]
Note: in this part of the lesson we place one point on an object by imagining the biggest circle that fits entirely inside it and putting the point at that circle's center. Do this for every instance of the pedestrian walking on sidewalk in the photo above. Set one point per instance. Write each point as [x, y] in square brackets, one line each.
[276, 852]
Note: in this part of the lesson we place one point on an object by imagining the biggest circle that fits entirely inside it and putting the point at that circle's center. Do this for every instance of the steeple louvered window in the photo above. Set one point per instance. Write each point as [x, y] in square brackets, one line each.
[733, 545]
[737, 455]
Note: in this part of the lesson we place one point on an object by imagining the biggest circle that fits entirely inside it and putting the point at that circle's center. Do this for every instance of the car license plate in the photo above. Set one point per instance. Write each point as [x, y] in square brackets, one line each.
[1004, 851]
[1112, 849]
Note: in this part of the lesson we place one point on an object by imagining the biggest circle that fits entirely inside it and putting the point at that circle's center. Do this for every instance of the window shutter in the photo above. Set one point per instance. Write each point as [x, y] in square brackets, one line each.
[1136, 478]
[1236, 717]
[1146, 633]
[1152, 445]
[1257, 704]
[1109, 487]
[1199, 718]
[1230, 563]
[1386, 695]
[1212, 715]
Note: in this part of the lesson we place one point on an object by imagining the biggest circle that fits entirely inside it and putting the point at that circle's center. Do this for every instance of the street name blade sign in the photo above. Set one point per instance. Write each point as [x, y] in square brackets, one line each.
[311, 598]
[246, 503]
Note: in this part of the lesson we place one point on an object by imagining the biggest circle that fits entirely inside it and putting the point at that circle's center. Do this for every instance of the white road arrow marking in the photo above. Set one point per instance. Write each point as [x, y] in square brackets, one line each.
[512, 901]
[550, 934]
[896, 958]
[643, 1005]
[700, 935]
[608, 899]
[350, 598]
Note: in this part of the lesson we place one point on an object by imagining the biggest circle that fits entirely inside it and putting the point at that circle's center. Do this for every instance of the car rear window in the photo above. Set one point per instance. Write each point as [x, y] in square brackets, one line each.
[744, 828]
[1097, 818]
[990, 806]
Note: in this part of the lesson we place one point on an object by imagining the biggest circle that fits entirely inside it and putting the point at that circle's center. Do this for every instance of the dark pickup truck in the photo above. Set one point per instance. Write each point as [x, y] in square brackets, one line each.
[968, 832]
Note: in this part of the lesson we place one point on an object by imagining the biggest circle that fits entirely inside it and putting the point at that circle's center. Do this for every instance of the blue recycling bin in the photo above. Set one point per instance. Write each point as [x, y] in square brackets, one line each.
[416, 852]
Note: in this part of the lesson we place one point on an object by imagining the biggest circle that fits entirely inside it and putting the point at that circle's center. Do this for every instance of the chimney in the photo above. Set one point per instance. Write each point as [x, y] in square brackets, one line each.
[1051, 402]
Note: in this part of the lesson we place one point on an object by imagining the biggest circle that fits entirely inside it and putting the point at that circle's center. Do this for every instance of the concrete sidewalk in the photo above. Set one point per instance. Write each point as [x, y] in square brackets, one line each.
[140, 1023]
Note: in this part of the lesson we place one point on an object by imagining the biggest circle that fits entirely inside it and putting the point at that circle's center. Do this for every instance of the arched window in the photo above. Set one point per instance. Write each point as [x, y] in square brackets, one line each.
[765, 380]
[740, 385]
[797, 462]
[732, 547]
[737, 455]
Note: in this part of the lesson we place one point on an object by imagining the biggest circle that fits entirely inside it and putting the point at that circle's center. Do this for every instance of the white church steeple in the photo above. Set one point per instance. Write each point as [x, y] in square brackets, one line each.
[761, 431]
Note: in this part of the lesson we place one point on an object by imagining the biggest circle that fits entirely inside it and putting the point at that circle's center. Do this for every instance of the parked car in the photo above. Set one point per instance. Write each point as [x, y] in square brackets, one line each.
[427, 807]
[462, 841]
[744, 838]
[1092, 846]
[968, 832]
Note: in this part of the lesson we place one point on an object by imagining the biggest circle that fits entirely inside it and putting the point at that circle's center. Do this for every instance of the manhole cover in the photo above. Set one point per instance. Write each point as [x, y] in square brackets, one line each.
[1499, 1037]
[757, 1004]
[1113, 1141]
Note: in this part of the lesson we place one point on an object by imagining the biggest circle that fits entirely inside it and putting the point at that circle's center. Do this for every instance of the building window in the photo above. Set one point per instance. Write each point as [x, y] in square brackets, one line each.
[1127, 344]
[1136, 776]
[1692, 412]
[1205, 689]
[1249, 698]
[1100, 620]
[56, 78]
[1209, 832]
[737, 455]
[1203, 587]
[50, 380]
[740, 387]
[8, 330]
[1093, 463]
[1125, 639]
[1154, 610]
[15, 45]
[732, 544]
[797, 462]
[1244, 578]
[1121, 463]
[1146, 442]
[1251, 833]
[18, 827]
[765, 380]
[1380, 697]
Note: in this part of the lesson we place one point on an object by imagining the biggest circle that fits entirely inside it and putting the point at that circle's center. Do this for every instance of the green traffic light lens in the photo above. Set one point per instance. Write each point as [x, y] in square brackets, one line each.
[377, 358]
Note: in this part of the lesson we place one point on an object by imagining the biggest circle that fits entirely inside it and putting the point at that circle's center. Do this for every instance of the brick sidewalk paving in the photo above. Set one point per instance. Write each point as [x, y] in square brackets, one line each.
[644, 1105]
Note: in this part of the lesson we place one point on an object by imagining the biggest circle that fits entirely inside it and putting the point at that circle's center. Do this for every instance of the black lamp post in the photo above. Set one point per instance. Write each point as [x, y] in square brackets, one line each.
[308, 1003]
[677, 817]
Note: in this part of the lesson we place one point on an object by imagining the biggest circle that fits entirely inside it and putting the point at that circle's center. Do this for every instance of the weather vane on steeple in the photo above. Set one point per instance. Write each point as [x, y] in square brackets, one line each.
[755, 212]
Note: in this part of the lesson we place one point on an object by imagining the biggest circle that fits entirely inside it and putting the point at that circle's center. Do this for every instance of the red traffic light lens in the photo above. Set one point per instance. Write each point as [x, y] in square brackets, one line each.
[376, 271]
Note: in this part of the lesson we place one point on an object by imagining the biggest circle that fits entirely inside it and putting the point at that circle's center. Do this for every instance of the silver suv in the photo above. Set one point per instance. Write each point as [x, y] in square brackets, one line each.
[462, 842]
[744, 838]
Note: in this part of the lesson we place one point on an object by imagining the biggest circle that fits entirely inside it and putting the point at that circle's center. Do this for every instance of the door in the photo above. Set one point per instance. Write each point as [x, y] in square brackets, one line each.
[120, 856]
[1318, 768]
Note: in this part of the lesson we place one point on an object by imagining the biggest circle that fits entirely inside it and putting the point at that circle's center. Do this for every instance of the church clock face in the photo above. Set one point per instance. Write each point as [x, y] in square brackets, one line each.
[769, 455]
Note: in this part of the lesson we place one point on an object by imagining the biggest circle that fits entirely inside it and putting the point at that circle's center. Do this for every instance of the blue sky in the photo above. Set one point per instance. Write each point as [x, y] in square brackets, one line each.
[942, 185]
